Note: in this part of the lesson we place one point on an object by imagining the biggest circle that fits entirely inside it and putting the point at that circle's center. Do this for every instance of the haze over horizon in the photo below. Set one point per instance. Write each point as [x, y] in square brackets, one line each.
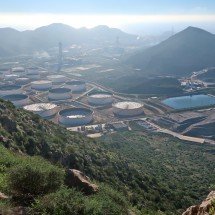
[137, 17]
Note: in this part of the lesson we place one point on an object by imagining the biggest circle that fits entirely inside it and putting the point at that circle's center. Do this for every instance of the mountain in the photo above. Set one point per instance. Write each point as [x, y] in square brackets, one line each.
[189, 50]
[14, 42]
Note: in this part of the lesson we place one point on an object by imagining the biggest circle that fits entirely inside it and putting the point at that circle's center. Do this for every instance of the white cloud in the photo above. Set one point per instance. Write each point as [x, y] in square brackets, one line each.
[31, 21]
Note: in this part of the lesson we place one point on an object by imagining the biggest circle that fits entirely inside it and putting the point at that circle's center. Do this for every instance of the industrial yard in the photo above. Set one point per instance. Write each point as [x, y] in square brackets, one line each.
[67, 95]
[68, 101]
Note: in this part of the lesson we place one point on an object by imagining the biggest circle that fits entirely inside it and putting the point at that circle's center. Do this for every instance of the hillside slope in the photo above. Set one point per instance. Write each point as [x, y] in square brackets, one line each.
[129, 162]
[13, 42]
[189, 50]
[28, 133]
[183, 170]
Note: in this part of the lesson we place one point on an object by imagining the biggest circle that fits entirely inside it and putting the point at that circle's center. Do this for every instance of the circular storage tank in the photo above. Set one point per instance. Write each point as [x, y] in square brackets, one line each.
[33, 70]
[57, 78]
[42, 109]
[10, 77]
[18, 70]
[60, 94]
[17, 99]
[2, 74]
[41, 85]
[5, 71]
[76, 86]
[33, 75]
[43, 73]
[127, 108]
[22, 81]
[10, 90]
[100, 98]
[75, 116]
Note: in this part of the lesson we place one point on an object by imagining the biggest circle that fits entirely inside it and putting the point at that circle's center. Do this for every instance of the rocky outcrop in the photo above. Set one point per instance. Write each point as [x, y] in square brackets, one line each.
[3, 196]
[203, 208]
[75, 178]
[3, 139]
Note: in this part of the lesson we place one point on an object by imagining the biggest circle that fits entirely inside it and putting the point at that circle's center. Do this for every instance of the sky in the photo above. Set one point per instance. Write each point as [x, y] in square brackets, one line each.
[133, 16]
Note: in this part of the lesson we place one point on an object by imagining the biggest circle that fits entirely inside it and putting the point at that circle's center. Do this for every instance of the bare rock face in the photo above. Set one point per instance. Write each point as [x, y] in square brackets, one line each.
[203, 208]
[75, 178]
[3, 139]
[3, 196]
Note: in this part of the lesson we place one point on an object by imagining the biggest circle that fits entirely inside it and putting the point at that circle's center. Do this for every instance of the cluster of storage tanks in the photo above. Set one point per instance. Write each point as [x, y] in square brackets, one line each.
[59, 88]
[17, 78]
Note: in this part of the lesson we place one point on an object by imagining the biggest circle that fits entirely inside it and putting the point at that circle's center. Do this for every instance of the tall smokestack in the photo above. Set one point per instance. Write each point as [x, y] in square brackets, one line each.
[60, 56]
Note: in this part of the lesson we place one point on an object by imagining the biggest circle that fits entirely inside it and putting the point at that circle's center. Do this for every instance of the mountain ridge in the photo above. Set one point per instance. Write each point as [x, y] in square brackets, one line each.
[189, 50]
[14, 42]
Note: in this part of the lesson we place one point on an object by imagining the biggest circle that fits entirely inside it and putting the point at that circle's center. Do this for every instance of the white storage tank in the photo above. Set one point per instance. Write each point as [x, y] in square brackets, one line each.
[33, 75]
[10, 77]
[4, 71]
[18, 100]
[43, 73]
[76, 86]
[60, 94]
[127, 109]
[10, 90]
[57, 78]
[75, 116]
[22, 81]
[42, 109]
[33, 70]
[100, 98]
[41, 85]
[18, 70]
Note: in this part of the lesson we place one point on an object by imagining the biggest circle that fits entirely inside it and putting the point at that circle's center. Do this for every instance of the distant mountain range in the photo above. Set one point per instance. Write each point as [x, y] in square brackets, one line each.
[189, 50]
[13, 42]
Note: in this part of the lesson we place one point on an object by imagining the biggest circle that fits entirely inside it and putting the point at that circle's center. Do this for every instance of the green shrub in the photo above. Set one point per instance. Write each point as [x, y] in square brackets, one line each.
[106, 201]
[64, 201]
[212, 208]
[69, 201]
[35, 176]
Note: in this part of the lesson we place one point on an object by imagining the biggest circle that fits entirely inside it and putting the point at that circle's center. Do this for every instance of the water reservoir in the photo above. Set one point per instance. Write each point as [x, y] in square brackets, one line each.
[193, 101]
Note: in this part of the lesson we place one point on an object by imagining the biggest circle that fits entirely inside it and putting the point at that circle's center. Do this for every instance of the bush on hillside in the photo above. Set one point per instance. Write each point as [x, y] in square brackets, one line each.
[35, 176]
[70, 201]
[64, 201]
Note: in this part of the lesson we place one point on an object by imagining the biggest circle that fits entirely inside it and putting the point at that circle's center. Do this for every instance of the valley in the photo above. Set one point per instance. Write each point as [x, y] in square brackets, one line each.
[95, 101]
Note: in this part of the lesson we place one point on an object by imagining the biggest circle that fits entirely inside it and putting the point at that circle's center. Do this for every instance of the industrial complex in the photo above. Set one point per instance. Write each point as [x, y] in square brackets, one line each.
[65, 100]
[58, 92]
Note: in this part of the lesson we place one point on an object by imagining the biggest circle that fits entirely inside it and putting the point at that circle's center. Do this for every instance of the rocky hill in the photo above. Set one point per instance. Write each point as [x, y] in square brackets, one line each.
[189, 50]
[207, 207]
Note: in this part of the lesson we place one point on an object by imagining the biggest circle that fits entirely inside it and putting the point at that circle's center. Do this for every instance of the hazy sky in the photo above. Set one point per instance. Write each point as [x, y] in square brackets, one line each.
[138, 16]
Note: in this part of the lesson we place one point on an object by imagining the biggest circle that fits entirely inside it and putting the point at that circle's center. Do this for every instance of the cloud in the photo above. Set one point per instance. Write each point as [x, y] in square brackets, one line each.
[24, 21]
